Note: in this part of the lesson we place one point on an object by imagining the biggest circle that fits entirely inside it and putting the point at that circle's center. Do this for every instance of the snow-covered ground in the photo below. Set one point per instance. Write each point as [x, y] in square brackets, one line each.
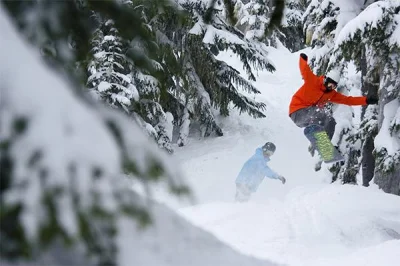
[314, 225]
[307, 221]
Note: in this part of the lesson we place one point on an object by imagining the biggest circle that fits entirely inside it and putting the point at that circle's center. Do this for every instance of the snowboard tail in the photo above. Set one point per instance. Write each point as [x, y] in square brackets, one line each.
[318, 137]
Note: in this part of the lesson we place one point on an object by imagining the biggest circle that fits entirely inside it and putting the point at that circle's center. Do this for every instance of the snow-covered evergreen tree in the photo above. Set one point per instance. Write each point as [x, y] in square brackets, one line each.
[371, 40]
[110, 70]
[218, 84]
[118, 79]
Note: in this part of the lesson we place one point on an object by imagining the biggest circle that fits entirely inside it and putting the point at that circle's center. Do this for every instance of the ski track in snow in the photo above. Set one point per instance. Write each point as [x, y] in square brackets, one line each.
[307, 221]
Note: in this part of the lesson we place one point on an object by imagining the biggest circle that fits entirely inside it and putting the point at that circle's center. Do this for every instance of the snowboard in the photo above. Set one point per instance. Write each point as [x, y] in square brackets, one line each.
[318, 137]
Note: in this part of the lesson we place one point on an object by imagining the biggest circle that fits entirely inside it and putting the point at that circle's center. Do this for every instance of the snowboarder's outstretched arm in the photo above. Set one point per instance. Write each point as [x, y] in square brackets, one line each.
[348, 100]
[271, 174]
[305, 69]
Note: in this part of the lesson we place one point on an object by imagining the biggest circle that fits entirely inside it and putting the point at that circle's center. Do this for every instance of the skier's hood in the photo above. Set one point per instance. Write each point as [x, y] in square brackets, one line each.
[259, 153]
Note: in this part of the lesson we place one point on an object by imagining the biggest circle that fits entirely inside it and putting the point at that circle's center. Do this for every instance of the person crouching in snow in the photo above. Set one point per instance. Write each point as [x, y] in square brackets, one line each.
[253, 172]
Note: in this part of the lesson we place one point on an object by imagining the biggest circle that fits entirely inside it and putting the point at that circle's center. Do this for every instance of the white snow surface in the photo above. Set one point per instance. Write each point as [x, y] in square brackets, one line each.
[313, 224]
[307, 221]
[173, 241]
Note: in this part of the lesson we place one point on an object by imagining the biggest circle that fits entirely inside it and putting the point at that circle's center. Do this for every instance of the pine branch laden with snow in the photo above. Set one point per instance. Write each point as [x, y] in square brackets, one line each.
[387, 149]
[254, 19]
[395, 124]
[294, 10]
[226, 90]
[371, 30]
[58, 36]
[184, 129]
[202, 109]
[218, 36]
[290, 33]
[347, 139]
[156, 122]
[165, 129]
[63, 162]
[320, 27]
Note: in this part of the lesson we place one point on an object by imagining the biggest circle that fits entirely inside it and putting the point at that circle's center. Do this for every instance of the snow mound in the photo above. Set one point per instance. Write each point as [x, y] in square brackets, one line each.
[173, 241]
[314, 225]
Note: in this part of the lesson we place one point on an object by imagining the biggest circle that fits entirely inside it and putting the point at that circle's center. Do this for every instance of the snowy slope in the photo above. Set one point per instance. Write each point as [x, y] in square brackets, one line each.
[314, 225]
[307, 221]
[172, 241]
[211, 165]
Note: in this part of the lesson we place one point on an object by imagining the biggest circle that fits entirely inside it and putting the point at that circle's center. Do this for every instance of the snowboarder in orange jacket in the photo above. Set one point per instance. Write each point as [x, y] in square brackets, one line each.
[307, 105]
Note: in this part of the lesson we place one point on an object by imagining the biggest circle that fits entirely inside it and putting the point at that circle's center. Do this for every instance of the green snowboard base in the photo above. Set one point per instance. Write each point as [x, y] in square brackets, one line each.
[318, 137]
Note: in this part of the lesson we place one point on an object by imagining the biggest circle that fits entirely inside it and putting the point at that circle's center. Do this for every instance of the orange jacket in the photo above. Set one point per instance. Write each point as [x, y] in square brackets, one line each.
[312, 93]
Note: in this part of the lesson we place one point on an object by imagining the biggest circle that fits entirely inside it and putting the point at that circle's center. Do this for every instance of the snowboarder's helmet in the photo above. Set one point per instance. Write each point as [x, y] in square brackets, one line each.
[333, 76]
[269, 148]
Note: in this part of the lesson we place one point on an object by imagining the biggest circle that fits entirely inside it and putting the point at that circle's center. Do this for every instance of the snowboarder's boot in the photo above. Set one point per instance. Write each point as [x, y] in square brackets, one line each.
[311, 150]
[318, 165]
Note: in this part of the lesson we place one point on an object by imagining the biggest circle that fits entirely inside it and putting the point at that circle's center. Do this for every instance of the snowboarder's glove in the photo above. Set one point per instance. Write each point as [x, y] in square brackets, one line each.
[282, 179]
[304, 56]
[372, 100]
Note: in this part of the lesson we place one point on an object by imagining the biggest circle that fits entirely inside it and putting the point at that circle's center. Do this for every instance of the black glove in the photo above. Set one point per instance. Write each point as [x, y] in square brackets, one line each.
[304, 56]
[283, 180]
[372, 100]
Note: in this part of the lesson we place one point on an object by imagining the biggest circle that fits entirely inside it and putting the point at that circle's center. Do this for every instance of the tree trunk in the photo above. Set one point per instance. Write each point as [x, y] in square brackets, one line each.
[368, 161]
[329, 126]
[389, 182]
[389, 179]
[370, 86]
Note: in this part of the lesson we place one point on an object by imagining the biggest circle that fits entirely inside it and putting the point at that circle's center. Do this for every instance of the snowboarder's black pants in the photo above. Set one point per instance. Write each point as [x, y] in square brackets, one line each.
[314, 115]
